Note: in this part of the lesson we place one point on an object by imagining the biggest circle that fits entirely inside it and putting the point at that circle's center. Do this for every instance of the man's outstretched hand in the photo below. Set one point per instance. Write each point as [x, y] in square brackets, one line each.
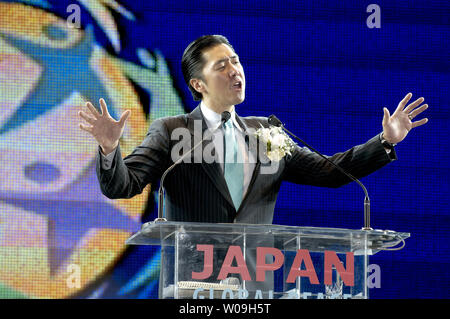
[106, 130]
[397, 126]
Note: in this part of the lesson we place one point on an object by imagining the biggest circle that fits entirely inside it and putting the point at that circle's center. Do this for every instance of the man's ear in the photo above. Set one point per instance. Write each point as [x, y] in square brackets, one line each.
[198, 85]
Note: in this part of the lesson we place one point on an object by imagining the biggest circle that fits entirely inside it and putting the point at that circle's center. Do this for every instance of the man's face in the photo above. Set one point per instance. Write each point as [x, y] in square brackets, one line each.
[224, 79]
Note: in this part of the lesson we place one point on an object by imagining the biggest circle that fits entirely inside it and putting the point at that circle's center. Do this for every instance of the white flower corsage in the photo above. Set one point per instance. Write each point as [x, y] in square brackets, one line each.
[278, 143]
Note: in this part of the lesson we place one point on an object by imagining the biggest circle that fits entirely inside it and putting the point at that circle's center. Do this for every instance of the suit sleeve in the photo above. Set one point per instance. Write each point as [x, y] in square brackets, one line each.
[306, 167]
[128, 176]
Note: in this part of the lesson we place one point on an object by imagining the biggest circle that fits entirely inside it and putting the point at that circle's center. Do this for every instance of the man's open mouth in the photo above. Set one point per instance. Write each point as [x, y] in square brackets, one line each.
[237, 85]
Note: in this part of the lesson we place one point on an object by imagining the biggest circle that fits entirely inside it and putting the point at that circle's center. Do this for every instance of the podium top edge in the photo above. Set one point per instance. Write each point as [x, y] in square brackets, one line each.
[267, 228]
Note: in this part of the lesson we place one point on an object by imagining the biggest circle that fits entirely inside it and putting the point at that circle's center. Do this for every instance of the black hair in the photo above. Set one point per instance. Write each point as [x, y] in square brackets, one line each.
[192, 62]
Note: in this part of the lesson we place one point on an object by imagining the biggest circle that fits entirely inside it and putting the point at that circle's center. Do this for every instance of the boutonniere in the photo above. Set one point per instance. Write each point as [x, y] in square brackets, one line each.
[278, 143]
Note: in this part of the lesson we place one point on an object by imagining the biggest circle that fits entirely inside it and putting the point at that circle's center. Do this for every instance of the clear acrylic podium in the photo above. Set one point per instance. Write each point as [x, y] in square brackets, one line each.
[248, 261]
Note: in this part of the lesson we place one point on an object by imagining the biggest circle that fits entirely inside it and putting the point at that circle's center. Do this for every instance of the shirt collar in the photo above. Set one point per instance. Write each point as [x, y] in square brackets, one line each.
[213, 119]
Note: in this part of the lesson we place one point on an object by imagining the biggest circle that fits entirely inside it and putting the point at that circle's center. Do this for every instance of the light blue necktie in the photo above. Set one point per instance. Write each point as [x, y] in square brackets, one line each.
[233, 165]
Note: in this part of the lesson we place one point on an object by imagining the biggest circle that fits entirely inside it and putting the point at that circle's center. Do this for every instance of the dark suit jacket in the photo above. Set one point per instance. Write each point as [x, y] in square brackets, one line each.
[197, 192]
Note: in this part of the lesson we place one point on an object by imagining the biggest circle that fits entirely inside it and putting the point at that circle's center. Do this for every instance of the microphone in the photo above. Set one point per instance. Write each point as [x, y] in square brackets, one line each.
[225, 116]
[273, 120]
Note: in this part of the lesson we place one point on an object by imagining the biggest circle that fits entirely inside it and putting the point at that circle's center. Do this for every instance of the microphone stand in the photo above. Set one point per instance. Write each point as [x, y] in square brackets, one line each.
[273, 120]
[161, 192]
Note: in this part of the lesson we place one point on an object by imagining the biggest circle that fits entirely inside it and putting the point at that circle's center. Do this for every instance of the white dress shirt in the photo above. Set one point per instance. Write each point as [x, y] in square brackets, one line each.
[213, 121]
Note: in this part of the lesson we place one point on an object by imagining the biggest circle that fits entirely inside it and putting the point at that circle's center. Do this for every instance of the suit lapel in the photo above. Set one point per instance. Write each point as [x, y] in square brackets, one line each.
[213, 169]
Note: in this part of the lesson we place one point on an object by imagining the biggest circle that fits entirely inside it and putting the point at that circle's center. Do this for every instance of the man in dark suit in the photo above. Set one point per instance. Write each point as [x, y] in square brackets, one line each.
[221, 191]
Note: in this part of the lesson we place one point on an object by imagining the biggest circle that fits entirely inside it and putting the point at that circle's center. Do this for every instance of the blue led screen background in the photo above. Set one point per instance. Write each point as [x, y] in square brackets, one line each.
[315, 64]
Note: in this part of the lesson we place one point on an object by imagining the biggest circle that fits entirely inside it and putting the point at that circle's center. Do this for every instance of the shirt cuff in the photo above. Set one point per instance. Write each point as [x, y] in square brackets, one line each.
[107, 160]
[388, 147]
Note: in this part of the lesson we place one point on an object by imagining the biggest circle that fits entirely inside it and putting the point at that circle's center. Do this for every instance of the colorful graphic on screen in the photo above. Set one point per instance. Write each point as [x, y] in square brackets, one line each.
[53, 217]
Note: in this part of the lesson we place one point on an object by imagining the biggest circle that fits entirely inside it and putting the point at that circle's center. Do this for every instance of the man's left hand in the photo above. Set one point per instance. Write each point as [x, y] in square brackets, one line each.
[397, 126]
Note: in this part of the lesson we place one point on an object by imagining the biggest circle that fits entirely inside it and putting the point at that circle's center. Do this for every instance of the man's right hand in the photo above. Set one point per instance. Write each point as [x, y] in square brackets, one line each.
[106, 130]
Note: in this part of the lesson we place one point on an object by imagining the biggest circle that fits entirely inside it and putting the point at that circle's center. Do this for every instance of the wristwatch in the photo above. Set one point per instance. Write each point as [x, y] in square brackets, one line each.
[386, 143]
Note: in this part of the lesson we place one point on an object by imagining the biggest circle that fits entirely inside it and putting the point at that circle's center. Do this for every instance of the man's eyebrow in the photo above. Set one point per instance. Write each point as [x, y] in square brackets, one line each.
[225, 59]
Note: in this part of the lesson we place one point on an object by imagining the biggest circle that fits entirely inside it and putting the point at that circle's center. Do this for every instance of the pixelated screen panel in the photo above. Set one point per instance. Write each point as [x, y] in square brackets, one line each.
[317, 65]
